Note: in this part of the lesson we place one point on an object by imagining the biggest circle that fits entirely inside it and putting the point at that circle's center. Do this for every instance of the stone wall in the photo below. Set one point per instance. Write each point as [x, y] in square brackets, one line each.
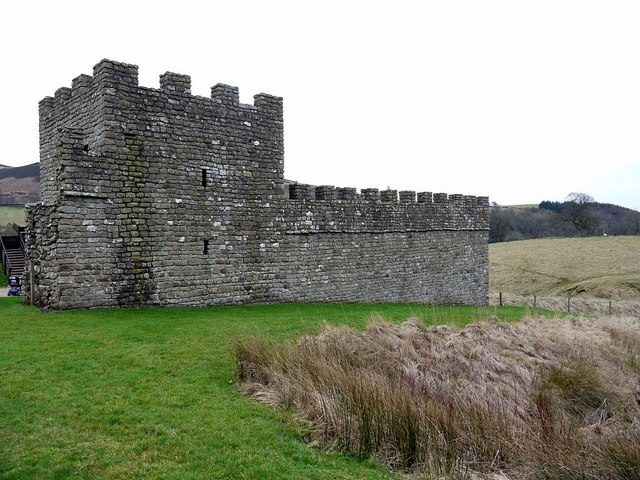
[160, 197]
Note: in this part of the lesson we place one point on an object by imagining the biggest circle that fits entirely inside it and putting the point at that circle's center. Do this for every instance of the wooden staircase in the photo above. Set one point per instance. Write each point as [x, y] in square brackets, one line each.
[12, 255]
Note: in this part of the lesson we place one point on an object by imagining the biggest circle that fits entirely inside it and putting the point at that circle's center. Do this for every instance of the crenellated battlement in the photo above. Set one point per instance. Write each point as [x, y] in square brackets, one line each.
[115, 74]
[156, 196]
[324, 193]
[109, 76]
[175, 83]
[330, 209]
[81, 83]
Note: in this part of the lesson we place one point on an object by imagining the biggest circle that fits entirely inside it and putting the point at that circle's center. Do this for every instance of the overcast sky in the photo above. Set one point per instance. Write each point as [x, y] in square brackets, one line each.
[518, 100]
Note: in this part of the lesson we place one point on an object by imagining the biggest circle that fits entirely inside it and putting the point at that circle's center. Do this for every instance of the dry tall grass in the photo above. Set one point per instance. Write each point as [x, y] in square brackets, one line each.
[539, 399]
[581, 305]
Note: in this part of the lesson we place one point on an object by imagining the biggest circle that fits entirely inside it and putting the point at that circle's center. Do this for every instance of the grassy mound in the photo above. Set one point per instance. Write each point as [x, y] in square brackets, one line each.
[538, 399]
[607, 267]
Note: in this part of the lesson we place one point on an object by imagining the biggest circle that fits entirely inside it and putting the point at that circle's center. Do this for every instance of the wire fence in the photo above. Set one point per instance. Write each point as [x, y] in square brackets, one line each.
[571, 304]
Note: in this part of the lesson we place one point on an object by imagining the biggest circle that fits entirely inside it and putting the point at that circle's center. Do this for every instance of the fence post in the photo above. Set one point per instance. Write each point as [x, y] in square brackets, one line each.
[568, 303]
[535, 301]
[500, 296]
[609, 307]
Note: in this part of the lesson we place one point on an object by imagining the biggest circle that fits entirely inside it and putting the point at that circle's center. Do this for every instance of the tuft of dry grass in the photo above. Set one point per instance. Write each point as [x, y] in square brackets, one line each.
[544, 398]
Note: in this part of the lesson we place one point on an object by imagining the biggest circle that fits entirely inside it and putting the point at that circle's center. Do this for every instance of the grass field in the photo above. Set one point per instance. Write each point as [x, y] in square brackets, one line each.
[12, 214]
[607, 267]
[149, 393]
[522, 206]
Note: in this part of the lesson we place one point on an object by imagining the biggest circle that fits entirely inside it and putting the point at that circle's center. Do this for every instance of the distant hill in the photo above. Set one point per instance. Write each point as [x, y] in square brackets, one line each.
[561, 219]
[19, 185]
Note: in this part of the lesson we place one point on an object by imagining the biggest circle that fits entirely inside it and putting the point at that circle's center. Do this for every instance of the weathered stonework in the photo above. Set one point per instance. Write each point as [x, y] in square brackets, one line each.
[159, 197]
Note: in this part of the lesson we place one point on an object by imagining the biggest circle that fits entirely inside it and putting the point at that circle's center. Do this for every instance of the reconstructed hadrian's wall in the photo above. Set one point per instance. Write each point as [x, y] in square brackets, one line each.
[159, 197]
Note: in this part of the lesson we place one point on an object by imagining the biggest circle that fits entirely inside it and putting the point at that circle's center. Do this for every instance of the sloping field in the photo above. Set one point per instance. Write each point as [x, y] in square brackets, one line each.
[150, 393]
[607, 267]
[523, 205]
[11, 214]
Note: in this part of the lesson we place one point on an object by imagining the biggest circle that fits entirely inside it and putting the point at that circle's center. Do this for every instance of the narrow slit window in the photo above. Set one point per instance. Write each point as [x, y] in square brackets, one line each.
[204, 177]
[205, 247]
[85, 148]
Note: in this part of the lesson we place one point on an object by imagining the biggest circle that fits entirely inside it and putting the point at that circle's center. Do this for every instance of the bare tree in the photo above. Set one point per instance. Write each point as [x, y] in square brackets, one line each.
[580, 213]
[579, 198]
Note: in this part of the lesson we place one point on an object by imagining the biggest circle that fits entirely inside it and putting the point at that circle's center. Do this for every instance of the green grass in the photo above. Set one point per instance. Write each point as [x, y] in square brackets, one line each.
[149, 393]
[12, 214]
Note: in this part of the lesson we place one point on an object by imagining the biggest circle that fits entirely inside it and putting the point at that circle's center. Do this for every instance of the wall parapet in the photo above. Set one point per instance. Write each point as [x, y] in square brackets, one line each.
[109, 76]
[309, 193]
[320, 216]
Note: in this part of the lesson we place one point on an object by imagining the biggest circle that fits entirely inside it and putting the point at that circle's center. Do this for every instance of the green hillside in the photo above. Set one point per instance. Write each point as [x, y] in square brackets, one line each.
[607, 267]
[12, 214]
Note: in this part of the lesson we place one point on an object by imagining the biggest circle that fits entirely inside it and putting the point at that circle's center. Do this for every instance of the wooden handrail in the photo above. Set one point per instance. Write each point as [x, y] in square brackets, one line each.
[5, 259]
[22, 233]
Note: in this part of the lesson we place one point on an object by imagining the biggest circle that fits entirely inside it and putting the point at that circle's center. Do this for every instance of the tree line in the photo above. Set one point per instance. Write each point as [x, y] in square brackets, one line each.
[578, 216]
